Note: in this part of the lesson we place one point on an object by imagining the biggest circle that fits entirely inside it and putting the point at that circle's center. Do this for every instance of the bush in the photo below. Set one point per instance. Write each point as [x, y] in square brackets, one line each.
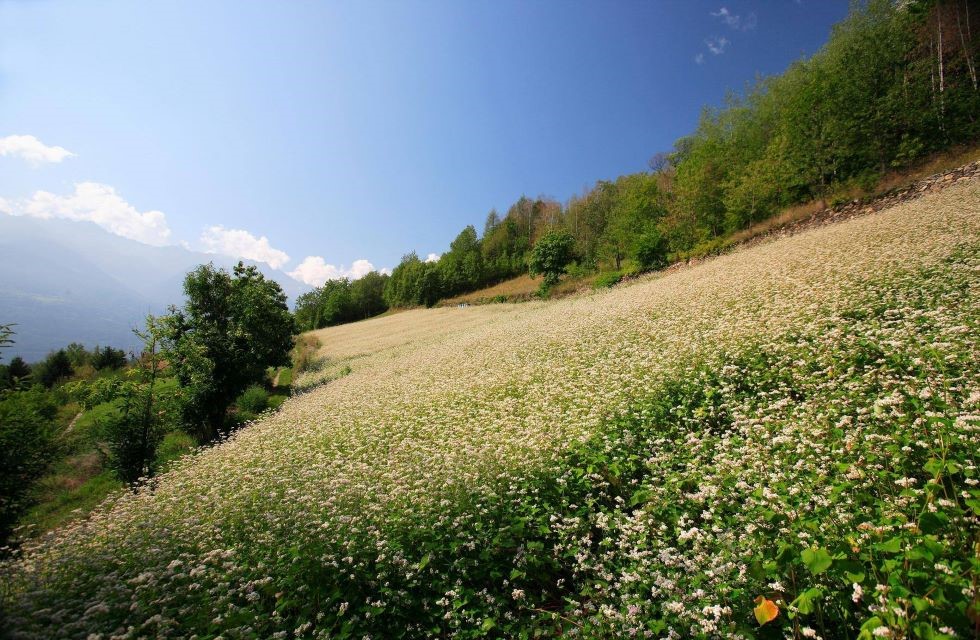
[108, 358]
[133, 435]
[55, 368]
[550, 256]
[255, 400]
[578, 270]
[651, 251]
[27, 444]
[608, 279]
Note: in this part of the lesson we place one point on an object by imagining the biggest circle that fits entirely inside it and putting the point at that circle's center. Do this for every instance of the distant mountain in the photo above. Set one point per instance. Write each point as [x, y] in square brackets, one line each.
[63, 281]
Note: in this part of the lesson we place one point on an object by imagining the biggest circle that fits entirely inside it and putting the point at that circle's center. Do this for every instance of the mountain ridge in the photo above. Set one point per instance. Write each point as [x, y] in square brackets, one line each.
[65, 281]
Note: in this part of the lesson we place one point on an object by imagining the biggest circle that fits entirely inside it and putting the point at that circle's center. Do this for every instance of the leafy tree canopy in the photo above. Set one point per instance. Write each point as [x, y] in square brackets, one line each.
[232, 328]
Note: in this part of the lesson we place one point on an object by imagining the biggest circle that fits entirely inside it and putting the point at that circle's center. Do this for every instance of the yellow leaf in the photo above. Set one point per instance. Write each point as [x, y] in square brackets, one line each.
[765, 610]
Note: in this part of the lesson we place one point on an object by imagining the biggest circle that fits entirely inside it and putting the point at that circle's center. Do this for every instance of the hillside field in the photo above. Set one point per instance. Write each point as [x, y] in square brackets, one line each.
[780, 442]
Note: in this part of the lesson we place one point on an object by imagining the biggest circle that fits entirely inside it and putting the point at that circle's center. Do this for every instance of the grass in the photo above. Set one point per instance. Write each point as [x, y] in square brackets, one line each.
[78, 481]
[682, 455]
[73, 488]
[520, 289]
[77, 484]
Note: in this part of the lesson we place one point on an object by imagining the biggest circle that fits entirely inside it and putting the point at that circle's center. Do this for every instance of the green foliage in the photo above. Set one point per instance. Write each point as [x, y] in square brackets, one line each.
[55, 368]
[607, 279]
[27, 445]
[173, 445]
[73, 496]
[461, 268]
[18, 370]
[134, 432]
[78, 355]
[650, 250]
[340, 301]
[413, 283]
[99, 391]
[254, 400]
[549, 257]
[232, 329]
[866, 102]
[108, 358]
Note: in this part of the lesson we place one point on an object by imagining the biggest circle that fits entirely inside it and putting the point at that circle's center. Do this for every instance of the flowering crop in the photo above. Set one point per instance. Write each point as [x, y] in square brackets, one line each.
[780, 442]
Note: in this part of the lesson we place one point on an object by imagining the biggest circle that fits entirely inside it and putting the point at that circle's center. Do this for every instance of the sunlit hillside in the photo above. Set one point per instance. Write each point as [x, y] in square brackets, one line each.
[780, 442]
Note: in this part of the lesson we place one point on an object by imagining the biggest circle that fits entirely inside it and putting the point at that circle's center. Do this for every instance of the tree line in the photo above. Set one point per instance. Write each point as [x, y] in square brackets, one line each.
[894, 83]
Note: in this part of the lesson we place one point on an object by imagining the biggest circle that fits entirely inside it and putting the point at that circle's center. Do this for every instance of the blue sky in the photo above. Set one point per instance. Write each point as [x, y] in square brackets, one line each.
[351, 131]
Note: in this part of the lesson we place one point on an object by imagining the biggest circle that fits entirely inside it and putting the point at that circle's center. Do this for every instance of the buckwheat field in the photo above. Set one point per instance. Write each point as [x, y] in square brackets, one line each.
[777, 443]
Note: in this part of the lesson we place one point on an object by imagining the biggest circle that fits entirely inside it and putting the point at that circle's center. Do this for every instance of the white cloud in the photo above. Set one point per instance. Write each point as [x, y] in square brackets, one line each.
[242, 244]
[32, 150]
[736, 21]
[98, 203]
[717, 45]
[314, 270]
[699, 58]
[432, 257]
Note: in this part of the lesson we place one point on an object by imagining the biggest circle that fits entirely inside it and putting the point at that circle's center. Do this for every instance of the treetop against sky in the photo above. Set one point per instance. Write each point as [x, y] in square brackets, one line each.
[327, 139]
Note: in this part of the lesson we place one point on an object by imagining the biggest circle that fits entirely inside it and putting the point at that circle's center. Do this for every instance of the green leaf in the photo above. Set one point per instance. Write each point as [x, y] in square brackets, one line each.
[933, 466]
[806, 602]
[932, 522]
[890, 546]
[424, 561]
[857, 577]
[488, 624]
[817, 560]
[640, 497]
[920, 604]
[867, 629]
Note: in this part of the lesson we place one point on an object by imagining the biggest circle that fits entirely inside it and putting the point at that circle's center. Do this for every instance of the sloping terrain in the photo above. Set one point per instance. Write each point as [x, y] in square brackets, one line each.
[507, 469]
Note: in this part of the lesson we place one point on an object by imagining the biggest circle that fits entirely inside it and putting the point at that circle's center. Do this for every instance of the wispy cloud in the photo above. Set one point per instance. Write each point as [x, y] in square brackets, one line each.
[736, 21]
[242, 244]
[32, 150]
[699, 58]
[717, 45]
[98, 203]
[314, 270]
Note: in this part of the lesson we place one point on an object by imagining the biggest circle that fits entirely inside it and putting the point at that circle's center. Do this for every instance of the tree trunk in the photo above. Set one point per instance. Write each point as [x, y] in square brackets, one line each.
[966, 46]
[942, 76]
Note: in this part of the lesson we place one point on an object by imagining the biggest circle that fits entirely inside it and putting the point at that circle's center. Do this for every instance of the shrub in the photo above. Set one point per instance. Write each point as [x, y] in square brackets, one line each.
[550, 255]
[578, 269]
[55, 368]
[651, 251]
[608, 279]
[27, 444]
[255, 400]
[133, 435]
[108, 358]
